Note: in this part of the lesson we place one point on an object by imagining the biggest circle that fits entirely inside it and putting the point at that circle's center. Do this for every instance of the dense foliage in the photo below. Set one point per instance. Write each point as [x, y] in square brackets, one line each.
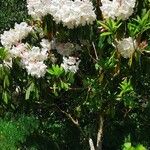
[75, 82]
[11, 11]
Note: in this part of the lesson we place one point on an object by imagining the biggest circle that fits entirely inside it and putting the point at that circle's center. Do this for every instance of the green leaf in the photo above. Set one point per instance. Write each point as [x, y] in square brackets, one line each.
[104, 25]
[64, 85]
[29, 90]
[97, 66]
[140, 147]
[127, 145]
[5, 97]
[139, 25]
[70, 77]
[54, 89]
[36, 93]
[50, 71]
[6, 82]
[125, 87]
[3, 53]
[55, 70]
[106, 33]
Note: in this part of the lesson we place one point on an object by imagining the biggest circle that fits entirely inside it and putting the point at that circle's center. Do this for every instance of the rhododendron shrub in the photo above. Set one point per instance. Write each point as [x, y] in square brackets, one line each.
[86, 61]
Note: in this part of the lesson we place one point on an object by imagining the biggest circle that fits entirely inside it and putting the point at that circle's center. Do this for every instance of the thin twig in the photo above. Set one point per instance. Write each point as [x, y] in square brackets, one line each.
[95, 50]
[69, 116]
[75, 122]
[70, 88]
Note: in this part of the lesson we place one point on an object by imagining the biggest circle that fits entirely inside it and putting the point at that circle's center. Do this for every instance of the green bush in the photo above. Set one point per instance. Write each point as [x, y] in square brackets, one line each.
[11, 11]
[13, 131]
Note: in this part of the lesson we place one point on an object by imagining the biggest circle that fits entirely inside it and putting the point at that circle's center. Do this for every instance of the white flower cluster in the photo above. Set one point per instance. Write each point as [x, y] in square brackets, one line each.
[46, 45]
[33, 59]
[38, 8]
[71, 64]
[126, 47]
[67, 49]
[13, 36]
[34, 62]
[70, 13]
[19, 50]
[121, 9]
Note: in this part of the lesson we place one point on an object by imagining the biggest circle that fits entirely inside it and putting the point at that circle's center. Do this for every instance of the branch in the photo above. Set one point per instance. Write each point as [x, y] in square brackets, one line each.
[95, 50]
[75, 122]
[70, 88]
[91, 144]
[100, 133]
[69, 116]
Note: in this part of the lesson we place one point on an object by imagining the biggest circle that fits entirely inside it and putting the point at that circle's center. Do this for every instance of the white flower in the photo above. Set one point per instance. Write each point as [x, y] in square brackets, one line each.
[19, 50]
[37, 69]
[126, 47]
[121, 9]
[46, 45]
[34, 55]
[8, 38]
[67, 49]
[70, 13]
[75, 13]
[36, 8]
[33, 61]
[109, 8]
[71, 64]
[13, 36]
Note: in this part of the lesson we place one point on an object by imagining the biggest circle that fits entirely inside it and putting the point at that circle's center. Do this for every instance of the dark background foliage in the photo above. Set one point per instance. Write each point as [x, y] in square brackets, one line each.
[12, 11]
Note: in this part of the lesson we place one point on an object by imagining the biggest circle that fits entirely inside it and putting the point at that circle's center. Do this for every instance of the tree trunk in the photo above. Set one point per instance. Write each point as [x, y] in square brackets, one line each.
[100, 133]
[91, 144]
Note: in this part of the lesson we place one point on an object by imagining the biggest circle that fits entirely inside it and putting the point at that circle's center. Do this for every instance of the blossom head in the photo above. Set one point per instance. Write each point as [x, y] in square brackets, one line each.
[126, 47]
